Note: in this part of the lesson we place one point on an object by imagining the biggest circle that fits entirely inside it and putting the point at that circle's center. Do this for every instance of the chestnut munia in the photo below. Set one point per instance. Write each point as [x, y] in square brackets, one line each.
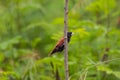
[60, 44]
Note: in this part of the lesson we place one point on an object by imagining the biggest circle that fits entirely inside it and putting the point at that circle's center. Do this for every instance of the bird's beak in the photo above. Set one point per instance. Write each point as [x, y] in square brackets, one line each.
[73, 33]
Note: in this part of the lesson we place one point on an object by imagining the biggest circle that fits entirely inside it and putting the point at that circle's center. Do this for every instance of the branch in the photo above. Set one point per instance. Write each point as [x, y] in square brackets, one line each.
[66, 42]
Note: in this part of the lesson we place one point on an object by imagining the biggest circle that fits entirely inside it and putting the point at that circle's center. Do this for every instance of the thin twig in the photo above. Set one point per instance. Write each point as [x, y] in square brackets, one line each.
[107, 48]
[66, 42]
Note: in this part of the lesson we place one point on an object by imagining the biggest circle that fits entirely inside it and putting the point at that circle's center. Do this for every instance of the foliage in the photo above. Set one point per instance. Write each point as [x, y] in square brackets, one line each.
[29, 30]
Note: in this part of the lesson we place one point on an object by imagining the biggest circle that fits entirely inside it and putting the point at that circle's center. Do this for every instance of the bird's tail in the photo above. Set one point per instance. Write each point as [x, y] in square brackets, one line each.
[52, 52]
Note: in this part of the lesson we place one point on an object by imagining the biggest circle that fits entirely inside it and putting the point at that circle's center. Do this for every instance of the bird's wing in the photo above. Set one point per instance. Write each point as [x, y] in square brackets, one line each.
[59, 43]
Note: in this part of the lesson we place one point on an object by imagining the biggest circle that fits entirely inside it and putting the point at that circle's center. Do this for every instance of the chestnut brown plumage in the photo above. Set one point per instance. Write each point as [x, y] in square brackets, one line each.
[60, 44]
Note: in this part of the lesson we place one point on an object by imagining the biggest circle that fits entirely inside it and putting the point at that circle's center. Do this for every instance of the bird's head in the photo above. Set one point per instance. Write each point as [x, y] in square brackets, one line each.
[69, 34]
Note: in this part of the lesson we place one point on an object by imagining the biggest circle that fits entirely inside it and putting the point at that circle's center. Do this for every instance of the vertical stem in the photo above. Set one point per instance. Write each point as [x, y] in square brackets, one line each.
[107, 29]
[105, 55]
[17, 19]
[66, 42]
[108, 20]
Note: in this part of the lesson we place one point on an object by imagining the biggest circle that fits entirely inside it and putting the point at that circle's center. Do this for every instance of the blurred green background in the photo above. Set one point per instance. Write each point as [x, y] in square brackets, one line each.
[29, 30]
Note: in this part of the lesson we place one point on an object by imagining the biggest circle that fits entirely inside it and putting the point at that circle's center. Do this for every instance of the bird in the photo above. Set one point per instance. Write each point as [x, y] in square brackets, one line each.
[59, 47]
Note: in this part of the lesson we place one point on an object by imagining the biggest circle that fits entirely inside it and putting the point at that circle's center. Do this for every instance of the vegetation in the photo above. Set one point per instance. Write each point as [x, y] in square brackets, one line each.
[29, 30]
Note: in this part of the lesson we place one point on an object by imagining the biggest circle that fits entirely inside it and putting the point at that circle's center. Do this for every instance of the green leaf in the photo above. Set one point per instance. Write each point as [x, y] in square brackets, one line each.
[106, 69]
[117, 74]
